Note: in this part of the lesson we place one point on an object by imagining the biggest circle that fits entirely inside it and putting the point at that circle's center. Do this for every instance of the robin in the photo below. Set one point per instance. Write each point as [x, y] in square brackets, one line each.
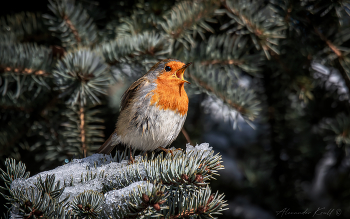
[153, 109]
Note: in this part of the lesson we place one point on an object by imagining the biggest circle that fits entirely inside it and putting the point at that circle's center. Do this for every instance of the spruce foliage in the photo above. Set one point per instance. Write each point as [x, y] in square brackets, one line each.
[280, 66]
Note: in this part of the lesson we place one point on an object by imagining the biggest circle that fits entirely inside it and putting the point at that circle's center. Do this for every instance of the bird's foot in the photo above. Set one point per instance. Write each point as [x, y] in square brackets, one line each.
[131, 159]
[169, 150]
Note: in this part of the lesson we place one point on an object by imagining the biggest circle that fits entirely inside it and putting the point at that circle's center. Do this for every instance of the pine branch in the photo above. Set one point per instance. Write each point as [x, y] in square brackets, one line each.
[37, 200]
[87, 204]
[179, 187]
[186, 19]
[58, 135]
[343, 60]
[139, 22]
[225, 91]
[218, 66]
[230, 53]
[188, 139]
[339, 128]
[82, 130]
[264, 32]
[324, 8]
[25, 71]
[13, 171]
[329, 43]
[130, 57]
[71, 23]
[147, 45]
[203, 204]
[136, 200]
[83, 76]
[31, 200]
[18, 61]
[72, 28]
[222, 62]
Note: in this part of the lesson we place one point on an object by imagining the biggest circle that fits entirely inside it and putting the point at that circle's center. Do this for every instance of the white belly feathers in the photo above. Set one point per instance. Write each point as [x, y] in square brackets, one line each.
[145, 127]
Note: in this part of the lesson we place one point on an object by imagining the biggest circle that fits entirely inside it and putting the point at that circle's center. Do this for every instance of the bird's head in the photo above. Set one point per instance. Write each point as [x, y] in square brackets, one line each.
[170, 71]
[169, 94]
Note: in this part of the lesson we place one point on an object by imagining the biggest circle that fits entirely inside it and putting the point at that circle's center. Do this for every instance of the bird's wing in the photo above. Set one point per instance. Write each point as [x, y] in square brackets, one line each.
[108, 146]
[131, 91]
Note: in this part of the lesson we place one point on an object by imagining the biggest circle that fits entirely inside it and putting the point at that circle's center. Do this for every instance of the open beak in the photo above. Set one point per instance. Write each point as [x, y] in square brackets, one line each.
[180, 72]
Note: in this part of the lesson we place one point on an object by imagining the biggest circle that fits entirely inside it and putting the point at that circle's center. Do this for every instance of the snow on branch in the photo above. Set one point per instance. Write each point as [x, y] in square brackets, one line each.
[98, 186]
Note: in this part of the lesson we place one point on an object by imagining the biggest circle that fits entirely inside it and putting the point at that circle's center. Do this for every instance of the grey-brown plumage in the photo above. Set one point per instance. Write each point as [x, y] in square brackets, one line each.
[153, 109]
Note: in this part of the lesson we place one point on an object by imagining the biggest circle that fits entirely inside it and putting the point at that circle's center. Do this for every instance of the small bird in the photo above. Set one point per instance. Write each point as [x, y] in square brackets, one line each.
[153, 109]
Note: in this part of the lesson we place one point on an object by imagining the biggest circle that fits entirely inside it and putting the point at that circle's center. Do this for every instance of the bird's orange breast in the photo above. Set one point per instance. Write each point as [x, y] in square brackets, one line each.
[170, 95]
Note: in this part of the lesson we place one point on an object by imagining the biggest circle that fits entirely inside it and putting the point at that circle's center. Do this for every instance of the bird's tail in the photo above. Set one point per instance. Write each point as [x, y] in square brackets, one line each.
[108, 146]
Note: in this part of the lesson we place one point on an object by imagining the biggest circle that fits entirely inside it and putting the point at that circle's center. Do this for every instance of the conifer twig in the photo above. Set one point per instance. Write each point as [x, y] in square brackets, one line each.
[257, 31]
[207, 87]
[223, 62]
[82, 129]
[186, 136]
[72, 27]
[25, 71]
[339, 54]
[329, 43]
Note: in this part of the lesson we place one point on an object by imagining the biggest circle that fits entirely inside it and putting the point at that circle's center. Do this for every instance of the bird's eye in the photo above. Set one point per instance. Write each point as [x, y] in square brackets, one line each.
[167, 68]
